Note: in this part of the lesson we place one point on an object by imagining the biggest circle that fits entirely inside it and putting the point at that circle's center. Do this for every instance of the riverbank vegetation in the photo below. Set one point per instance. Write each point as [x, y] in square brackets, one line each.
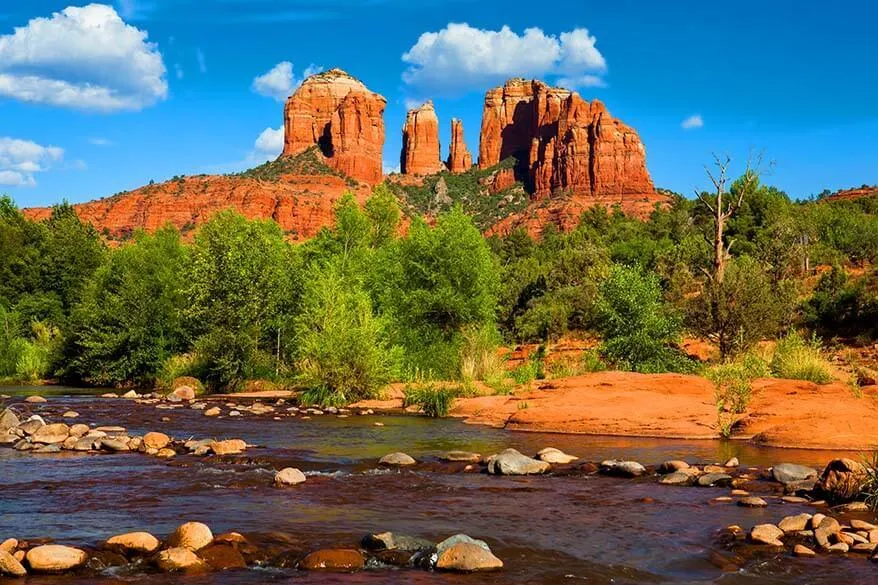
[376, 299]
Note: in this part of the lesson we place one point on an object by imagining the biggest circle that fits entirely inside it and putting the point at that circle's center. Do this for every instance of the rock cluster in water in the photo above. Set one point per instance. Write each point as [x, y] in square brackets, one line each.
[193, 548]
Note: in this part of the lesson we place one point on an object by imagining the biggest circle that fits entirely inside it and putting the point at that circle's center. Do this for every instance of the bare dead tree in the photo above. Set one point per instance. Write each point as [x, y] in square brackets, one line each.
[724, 207]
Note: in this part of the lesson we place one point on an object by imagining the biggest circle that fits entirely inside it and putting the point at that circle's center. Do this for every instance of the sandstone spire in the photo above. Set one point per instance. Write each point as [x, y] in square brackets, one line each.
[420, 142]
[459, 158]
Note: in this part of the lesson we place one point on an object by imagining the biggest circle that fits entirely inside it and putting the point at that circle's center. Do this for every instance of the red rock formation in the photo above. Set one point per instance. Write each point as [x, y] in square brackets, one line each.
[562, 142]
[300, 204]
[336, 112]
[420, 142]
[459, 158]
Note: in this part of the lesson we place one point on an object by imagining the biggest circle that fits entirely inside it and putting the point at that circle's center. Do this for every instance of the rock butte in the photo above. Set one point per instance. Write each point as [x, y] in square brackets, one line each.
[420, 142]
[572, 154]
[337, 113]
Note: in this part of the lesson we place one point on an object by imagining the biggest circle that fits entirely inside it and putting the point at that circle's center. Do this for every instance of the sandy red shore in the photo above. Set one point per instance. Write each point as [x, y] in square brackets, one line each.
[782, 413]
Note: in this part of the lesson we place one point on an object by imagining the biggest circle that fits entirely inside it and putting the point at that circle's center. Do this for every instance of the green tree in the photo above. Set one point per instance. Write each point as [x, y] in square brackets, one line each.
[432, 284]
[130, 318]
[237, 283]
[342, 351]
[639, 330]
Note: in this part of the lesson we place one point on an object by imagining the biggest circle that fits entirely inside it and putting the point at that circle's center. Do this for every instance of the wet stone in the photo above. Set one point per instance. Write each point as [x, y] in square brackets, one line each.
[397, 459]
[752, 502]
[714, 479]
[622, 468]
[343, 560]
[768, 534]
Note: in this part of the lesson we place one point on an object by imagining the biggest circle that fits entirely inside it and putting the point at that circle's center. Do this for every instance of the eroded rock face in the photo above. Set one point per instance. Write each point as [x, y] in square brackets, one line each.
[459, 157]
[337, 113]
[563, 144]
[420, 142]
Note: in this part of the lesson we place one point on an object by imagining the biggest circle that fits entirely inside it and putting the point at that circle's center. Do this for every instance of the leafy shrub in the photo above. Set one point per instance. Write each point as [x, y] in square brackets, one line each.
[176, 366]
[525, 373]
[478, 356]
[797, 358]
[588, 362]
[433, 400]
[342, 353]
[638, 328]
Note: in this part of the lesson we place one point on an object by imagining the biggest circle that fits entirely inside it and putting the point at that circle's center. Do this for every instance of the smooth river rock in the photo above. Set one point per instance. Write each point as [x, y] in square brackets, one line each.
[392, 541]
[51, 434]
[786, 473]
[9, 565]
[289, 476]
[766, 534]
[8, 420]
[55, 558]
[228, 447]
[134, 542]
[397, 459]
[333, 560]
[622, 468]
[556, 456]
[512, 462]
[178, 559]
[156, 440]
[191, 535]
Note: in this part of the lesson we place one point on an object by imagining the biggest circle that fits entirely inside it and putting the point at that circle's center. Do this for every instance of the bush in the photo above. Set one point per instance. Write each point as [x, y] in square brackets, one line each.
[478, 356]
[797, 358]
[588, 362]
[434, 401]
[176, 366]
[342, 353]
[638, 328]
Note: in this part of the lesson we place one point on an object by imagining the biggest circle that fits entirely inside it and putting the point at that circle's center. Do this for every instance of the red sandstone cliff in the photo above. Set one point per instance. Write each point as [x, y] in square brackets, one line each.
[562, 142]
[337, 113]
[459, 158]
[420, 142]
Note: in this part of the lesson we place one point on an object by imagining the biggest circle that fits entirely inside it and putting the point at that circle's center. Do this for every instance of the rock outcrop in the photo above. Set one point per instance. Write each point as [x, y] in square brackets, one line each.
[562, 142]
[459, 157]
[337, 113]
[420, 142]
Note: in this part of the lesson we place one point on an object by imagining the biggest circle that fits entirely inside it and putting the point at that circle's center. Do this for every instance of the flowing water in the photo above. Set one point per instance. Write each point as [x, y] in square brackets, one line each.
[551, 529]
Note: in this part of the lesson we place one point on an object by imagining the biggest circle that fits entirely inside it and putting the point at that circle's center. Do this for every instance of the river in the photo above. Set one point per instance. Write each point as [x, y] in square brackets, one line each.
[549, 529]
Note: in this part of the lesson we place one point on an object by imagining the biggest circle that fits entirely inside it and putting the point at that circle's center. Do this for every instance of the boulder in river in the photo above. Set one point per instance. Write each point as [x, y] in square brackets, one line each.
[228, 447]
[714, 479]
[191, 535]
[156, 440]
[622, 468]
[114, 445]
[791, 472]
[178, 559]
[214, 411]
[134, 543]
[397, 459]
[793, 524]
[672, 466]
[31, 425]
[392, 541]
[9, 565]
[800, 550]
[333, 560]
[35, 399]
[766, 534]
[55, 558]
[841, 480]
[222, 557]
[512, 462]
[289, 476]
[556, 456]
[51, 434]
[462, 457]
[465, 554]
[752, 502]
[8, 420]
[677, 478]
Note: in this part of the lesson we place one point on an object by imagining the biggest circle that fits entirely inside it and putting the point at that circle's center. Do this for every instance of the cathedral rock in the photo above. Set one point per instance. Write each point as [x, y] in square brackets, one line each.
[337, 113]
[420, 142]
[459, 157]
[562, 143]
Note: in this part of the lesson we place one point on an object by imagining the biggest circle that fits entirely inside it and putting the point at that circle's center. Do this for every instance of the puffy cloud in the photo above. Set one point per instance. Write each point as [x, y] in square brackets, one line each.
[270, 142]
[582, 81]
[21, 159]
[692, 122]
[460, 57]
[280, 82]
[85, 58]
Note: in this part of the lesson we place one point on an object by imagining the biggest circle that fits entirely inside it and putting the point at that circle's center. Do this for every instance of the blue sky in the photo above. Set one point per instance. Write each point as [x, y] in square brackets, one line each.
[96, 99]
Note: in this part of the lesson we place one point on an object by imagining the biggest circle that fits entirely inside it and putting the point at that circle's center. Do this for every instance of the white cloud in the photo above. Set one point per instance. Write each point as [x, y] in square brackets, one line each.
[391, 167]
[582, 81]
[280, 82]
[84, 58]
[98, 141]
[21, 159]
[270, 142]
[460, 57]
[692, 122]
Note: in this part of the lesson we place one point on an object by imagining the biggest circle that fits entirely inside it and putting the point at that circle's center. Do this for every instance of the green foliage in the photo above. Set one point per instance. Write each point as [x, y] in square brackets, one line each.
[177, 366]
[842, 306]
[798, 358]
[130, 318]
[237, 293]
[434, 401]
[432, 285]
[745, 308]
[588, 362]
[342, 353]
[638, 329]
[478, 358]
[25, 357]
[441, 192]
[307, 162]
